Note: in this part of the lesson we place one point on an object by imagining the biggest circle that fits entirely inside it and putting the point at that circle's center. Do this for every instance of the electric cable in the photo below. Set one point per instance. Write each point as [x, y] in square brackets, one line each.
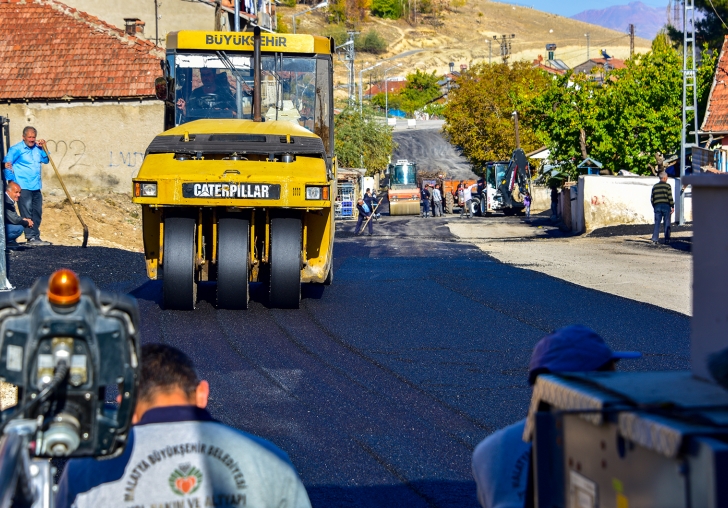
[58, 377]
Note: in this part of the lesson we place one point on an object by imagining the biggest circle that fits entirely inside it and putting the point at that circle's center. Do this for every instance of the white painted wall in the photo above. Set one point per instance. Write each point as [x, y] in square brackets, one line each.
[611, 200]
[96, 146]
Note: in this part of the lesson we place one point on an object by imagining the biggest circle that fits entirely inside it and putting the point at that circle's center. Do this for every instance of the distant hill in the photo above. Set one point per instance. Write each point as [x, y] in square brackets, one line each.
[647, 20]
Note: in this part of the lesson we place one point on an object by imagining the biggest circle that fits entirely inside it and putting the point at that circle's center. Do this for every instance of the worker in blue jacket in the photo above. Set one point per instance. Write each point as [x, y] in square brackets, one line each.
[23, 166]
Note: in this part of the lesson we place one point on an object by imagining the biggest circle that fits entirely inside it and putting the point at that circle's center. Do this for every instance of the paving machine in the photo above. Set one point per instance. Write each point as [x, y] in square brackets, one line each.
[403, 193]
[238, 188]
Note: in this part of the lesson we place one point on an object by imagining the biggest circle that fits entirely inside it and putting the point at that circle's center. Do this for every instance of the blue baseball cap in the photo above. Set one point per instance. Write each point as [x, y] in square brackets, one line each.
[574, 348]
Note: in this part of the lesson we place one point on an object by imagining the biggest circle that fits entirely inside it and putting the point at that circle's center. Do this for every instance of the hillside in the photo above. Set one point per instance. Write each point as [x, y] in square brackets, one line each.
[463, 37]
[647, 20]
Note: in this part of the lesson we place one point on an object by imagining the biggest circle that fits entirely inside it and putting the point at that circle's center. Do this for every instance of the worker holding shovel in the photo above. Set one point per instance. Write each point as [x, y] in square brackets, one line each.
[22, 166]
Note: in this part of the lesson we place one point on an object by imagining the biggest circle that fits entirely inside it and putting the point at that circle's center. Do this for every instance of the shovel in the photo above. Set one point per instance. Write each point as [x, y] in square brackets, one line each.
[70, 199]
[370, 217]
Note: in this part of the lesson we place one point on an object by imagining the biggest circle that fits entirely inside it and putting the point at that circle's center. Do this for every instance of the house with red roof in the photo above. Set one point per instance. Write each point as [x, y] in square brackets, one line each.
[715, 122]
[85, 85]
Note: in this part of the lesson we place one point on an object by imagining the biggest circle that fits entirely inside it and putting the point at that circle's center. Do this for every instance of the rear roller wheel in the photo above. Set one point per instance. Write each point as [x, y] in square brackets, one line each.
[233, 261]
[285, 263]
[179, 288]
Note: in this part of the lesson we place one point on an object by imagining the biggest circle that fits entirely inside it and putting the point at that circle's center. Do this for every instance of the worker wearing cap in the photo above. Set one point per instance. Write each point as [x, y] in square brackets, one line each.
[501, 462]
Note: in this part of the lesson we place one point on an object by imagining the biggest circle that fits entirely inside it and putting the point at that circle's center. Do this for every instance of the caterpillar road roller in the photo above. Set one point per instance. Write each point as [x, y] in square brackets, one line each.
[238, 188]
[403, 193]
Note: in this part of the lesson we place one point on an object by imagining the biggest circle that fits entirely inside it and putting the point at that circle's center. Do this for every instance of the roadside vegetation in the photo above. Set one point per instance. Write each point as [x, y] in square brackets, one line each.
[362, 140]
[621, 120]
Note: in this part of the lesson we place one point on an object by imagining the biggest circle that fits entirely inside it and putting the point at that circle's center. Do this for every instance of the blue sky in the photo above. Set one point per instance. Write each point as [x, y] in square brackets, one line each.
[570, 7]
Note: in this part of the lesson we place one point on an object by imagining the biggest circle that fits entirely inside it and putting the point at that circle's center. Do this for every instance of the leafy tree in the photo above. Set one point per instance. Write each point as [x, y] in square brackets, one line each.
[391, 9]
[391, 100]
[361, 140]
[420, 89]
[710, 23]
[479, 112]
[622, 123]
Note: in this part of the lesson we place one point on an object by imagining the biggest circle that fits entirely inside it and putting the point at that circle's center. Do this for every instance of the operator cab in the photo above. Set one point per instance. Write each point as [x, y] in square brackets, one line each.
[403, 172]
[217, 85]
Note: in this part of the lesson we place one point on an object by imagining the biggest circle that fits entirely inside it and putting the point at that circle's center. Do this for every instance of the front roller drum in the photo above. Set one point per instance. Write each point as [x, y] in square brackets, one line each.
[179, 287]
[233, 262]
[285, 263]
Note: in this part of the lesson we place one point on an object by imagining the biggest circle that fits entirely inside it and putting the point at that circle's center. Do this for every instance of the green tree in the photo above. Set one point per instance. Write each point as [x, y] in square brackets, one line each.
[391, 9]
[636, 112]
[479, 111]
[710, 23]
[361, 140]
[420, 89]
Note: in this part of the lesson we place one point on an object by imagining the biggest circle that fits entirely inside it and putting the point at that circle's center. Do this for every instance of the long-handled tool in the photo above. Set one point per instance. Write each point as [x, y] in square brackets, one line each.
[70, 199]
[370, 217]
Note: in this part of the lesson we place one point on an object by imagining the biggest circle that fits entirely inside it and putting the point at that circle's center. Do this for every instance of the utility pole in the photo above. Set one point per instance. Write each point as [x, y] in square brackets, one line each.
[631, 40]
[350, 54]
[490, 51]
[587, 46]
[690, 100]
[156, 23]
[505, 46]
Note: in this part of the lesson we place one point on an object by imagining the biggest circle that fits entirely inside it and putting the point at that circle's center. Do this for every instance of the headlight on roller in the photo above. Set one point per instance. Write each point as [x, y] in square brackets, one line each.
[145, 189]
[318, 193]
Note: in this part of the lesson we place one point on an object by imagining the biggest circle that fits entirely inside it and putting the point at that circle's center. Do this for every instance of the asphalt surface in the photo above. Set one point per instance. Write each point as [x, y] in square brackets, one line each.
[380, 385]
[432, 153]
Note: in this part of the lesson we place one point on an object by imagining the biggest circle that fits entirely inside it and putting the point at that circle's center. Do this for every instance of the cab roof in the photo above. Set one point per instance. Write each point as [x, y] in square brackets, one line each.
[243, 41]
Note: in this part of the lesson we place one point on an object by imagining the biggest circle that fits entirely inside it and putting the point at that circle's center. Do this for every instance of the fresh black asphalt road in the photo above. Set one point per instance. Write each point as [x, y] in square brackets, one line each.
[380, 385]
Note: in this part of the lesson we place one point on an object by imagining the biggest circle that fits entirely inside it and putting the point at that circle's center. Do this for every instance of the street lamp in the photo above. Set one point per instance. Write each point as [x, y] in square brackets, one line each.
[386, 90]
[361, 94]
[318, 6]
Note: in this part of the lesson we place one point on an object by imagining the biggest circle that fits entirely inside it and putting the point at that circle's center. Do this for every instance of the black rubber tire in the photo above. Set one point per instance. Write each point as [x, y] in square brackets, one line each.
[449, 203]
[509, 211]
[475, 207]
[233, 262]
[285, 263]
[483, 207]
[179, 287]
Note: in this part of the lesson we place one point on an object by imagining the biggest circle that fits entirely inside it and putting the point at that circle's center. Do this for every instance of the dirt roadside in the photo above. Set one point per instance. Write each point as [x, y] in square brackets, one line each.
[112, 220]
[627, 266]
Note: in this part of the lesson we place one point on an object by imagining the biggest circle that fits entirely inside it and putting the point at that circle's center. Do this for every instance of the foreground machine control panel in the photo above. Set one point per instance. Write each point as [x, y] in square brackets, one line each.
[629, 439]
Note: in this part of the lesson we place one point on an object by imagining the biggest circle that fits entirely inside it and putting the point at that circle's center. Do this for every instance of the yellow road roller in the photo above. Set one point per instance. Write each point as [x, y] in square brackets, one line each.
[403, 193]
[239, 187]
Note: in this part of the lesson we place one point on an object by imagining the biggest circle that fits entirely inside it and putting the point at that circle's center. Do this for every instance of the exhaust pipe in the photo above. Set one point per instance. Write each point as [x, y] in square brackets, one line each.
[256, 75]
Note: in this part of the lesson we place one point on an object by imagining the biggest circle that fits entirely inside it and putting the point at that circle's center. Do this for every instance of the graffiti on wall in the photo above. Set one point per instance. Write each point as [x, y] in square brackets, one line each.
[125, 159]
[68, 155]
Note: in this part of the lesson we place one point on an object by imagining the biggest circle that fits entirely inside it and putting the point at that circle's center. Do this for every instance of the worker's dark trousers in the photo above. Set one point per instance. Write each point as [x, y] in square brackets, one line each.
[426, 207]
[31, 207]
[360, 221]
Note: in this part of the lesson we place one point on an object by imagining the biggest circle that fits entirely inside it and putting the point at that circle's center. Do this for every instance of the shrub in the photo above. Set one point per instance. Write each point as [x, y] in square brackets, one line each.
[281, 26]
[391, 9]
[372, 42]
[338, 33]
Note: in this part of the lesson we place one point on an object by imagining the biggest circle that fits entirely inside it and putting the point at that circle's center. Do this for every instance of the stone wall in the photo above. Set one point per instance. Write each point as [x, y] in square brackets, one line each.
[96, 146]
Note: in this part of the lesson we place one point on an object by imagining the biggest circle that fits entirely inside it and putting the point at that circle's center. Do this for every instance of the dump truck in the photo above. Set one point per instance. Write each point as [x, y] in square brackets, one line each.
[240, 186]
[403, 192]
